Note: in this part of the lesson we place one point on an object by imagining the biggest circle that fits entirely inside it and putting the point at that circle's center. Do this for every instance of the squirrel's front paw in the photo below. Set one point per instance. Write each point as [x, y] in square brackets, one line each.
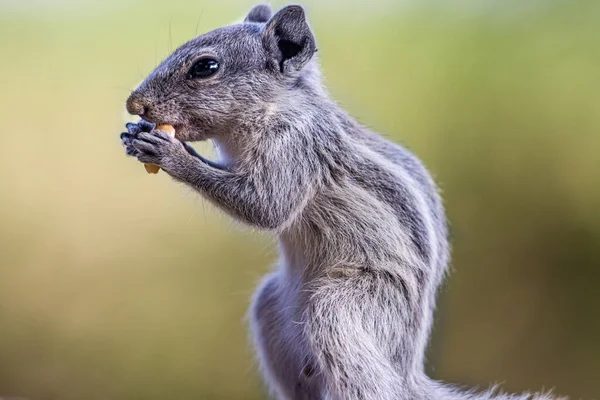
[157, 148]
[133, 129]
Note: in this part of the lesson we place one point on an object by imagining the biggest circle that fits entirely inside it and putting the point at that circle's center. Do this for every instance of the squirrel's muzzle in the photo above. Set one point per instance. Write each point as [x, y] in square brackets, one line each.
[136, 105]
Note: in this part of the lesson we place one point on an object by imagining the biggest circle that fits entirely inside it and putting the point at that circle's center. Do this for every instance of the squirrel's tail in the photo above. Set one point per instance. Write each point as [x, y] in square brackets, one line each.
[443, 391]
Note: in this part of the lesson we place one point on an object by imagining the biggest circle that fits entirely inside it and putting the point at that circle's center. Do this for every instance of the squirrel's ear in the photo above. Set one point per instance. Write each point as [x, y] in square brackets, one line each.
[260, 13]
[288, 38]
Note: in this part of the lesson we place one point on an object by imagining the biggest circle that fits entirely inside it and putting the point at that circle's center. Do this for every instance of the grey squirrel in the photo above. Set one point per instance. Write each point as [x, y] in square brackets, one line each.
[362, 232]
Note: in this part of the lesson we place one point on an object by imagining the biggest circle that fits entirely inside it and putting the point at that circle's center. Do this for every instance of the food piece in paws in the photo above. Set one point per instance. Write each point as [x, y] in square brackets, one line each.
[151, 168]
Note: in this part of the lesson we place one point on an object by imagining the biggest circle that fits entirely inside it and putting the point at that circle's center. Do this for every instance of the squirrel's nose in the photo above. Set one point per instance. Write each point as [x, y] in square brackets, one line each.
[136, 105]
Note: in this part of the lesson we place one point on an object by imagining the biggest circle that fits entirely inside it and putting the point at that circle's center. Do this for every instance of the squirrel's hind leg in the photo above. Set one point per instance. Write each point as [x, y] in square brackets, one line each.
[356, 328]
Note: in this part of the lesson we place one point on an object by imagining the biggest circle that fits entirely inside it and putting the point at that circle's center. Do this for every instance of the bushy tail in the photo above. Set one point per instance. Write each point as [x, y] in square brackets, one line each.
[442, 391]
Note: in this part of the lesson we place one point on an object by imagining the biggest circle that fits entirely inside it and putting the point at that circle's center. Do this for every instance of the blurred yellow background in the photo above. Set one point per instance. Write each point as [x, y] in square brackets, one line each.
[115, 284]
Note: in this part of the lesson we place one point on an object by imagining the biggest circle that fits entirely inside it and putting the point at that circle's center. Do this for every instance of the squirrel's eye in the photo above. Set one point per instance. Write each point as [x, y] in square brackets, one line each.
[204, 68]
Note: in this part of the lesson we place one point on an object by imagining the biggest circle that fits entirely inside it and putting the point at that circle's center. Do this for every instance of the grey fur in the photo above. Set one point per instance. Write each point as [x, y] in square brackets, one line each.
[260, 13]
[348, 311]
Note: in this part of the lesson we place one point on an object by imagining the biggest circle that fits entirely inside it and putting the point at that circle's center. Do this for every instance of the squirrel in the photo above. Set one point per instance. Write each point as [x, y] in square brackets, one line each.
[362, 235]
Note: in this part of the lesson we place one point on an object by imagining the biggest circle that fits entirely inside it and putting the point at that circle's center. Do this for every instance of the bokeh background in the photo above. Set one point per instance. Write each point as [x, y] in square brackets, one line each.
[119, 285]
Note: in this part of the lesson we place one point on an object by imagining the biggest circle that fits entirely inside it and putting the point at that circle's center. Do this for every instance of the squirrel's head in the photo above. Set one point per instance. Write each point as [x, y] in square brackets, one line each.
[217, 80]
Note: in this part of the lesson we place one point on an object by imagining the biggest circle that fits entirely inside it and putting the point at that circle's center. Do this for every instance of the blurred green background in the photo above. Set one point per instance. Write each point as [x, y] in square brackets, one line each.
[119, 285]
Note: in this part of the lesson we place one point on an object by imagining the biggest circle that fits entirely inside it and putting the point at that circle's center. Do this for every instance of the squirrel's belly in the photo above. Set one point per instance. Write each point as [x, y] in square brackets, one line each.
[275, 317]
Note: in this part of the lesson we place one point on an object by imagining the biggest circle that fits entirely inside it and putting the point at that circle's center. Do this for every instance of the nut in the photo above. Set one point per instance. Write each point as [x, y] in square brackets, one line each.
[151, 168]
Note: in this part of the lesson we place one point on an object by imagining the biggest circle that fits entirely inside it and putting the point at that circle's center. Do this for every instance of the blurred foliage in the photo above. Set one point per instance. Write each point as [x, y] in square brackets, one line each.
[119, 285]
